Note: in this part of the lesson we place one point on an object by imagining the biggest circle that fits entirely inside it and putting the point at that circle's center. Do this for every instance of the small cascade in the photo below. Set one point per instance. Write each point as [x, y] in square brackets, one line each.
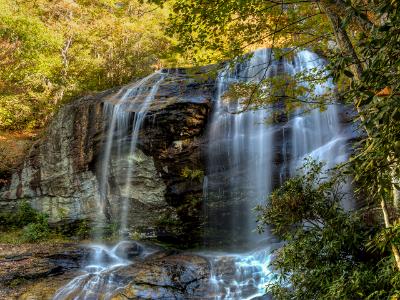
[99, 279]
[137, 124]
[240, 276]
[316, 134]
[131, 102]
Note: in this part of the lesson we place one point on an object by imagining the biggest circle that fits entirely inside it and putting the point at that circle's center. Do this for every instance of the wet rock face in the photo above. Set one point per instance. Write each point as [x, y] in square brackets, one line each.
[177, 276]
[160, 276]
[61, 175]
[128, 249]
[38, 272]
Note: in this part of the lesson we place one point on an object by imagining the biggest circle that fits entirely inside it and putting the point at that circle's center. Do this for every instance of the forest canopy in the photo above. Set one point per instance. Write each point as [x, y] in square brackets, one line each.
[53, 51]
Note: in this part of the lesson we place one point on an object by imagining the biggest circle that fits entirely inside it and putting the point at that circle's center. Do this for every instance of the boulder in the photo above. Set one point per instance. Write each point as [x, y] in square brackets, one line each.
[176, 276]
[23, 266]
[128, 249]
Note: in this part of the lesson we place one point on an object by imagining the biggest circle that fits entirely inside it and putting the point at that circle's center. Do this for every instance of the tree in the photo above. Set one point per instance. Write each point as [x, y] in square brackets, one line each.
[58, 50]
[376, 96]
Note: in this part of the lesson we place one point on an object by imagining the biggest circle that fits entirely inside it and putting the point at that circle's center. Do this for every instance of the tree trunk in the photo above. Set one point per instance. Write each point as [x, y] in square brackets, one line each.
[386, 218]
[347, 48]
[64, 71]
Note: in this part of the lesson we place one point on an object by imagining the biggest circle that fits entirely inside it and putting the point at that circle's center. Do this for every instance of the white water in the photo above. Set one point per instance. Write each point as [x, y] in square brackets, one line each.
[239, 276]
[137, 124]
[239, 155]
[316, 134]
[97, 275]
[135, 101]
[98, 279]
[242, 172]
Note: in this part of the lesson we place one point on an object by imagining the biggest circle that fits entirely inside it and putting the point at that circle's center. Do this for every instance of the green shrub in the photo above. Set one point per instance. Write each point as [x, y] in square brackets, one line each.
[326, 253]
[24, 215]
[34, 224]
[35, 232]
[83, 231]
[111, 230]
[193, 175]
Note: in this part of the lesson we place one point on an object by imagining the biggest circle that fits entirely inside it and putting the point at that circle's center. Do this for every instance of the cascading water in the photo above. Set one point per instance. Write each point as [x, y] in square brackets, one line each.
[137, 124]
[98, 280]
[119, 114]
[243, 168]
[316, 134]
[247, 158]
[240, 153]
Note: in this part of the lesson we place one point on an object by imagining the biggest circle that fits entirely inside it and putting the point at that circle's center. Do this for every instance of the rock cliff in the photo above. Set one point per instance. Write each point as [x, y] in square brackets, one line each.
[61, 174]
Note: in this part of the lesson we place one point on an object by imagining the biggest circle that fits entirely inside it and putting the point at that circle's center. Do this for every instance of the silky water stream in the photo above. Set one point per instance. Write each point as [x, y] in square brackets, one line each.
[98, 280]
[246, 159]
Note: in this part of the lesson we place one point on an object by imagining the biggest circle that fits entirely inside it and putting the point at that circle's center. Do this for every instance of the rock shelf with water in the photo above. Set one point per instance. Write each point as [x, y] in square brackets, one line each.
[167, 159]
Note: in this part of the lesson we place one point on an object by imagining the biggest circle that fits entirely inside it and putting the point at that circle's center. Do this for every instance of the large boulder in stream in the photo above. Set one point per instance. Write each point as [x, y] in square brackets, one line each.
[63, 172]
[166, 276]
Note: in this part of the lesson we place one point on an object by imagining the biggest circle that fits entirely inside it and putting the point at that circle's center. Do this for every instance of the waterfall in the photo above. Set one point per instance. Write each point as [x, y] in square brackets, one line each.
[98, 280]
[318, 133]
[137, 124]
[132, 101]
[247, 158]
[239, 157]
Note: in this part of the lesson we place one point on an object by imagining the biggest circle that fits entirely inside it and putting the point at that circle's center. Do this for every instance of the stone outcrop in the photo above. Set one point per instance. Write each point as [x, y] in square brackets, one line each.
[25, 265]
[166, 276]
[37, 272]
[63, 172]
[56, 177]
[61, 175]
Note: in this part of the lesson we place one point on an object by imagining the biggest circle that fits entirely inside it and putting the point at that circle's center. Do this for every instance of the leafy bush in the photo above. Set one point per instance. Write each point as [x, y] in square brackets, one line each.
[111, 230]
[36, 231]
[24, 215]
[34, 224]
[326, 253]
[83, 231]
